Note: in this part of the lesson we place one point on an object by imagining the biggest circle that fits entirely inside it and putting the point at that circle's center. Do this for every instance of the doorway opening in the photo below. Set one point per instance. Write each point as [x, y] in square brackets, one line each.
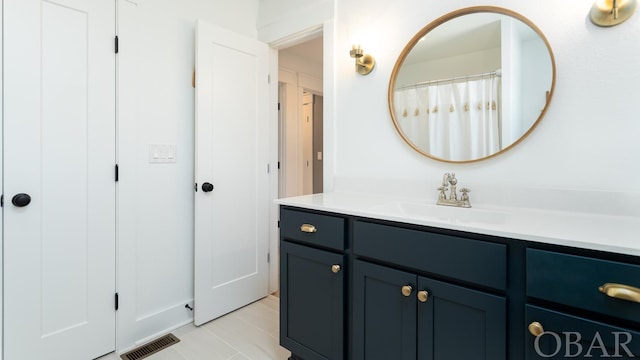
[300, 118]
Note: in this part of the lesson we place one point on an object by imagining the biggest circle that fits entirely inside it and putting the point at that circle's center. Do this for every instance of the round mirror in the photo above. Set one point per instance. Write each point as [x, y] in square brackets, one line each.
[471, 84]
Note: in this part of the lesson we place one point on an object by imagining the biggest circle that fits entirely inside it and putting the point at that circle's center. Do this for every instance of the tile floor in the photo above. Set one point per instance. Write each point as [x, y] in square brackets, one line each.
[249, 333]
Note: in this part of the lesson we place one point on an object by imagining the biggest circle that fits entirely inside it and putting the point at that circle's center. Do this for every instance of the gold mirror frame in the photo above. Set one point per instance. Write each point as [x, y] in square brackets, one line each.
[441, 20]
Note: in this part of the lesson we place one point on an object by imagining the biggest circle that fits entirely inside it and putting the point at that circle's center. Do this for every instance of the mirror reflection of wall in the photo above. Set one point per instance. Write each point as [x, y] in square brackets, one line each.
[462, 46]
[471, 85]
[526, 77]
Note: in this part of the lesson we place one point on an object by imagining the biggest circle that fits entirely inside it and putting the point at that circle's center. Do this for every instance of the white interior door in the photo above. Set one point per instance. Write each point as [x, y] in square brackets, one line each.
[59, 148]
[231, 220]
[306, 137]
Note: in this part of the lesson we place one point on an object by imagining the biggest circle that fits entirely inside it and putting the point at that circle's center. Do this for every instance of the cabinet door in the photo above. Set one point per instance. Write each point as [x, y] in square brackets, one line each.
[567, 336]
[311, 302]
[456, 323]
[384, 319]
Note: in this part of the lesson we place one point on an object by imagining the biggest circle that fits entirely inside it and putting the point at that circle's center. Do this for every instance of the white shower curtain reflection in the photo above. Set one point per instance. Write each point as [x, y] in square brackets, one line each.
[412, 118]
[452, 121]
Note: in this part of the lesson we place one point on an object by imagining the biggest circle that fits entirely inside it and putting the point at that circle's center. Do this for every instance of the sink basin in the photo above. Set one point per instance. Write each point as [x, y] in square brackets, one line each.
[449, 214]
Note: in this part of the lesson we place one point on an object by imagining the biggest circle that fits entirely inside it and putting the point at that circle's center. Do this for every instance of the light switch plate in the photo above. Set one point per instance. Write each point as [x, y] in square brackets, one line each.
[162, 153]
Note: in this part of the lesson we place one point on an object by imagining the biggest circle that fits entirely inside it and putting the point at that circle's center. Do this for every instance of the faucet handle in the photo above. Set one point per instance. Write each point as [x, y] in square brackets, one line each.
[441, 195]
[465, 197]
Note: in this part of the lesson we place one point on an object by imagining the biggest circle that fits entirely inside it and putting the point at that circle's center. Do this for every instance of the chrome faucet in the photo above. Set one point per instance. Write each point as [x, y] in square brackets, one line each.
[449, 179]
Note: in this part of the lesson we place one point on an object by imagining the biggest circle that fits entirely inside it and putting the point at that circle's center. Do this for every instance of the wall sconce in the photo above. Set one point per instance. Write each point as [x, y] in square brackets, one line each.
[364, 62]
[612, 12]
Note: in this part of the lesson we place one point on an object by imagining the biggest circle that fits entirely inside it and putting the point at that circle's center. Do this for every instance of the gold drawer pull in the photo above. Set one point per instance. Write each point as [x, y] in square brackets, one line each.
[423, 296]
[308, 228]
[536, 329]
[406, 290]
[619, 291]
[335, 268]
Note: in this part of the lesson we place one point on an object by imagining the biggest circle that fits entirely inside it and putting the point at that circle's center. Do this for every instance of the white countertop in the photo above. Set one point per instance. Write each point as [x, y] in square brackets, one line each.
[612, 233]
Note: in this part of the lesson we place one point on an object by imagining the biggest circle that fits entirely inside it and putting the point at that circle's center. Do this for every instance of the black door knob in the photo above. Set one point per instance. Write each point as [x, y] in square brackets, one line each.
[21, 200]
[207, 187]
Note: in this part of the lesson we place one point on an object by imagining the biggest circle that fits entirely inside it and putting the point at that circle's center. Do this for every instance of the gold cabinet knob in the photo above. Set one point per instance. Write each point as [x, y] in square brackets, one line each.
[423, 296]
[406, 290]
[308, 228]
[336, 268]
[536, 329]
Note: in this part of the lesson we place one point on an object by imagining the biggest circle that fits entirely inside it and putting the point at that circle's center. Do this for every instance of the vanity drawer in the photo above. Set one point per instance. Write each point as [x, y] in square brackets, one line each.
[473, 261]
[568, 336]
[316, 229]
[575, 281]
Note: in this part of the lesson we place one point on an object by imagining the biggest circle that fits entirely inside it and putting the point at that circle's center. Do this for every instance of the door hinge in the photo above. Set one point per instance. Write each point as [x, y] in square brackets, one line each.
[116, 298]
[278, 224]
[2, 200]
[117, 173]
[116, 44]
[269, 79]
[269, 257]
[195, 187]
[278, 106]
[278, 165]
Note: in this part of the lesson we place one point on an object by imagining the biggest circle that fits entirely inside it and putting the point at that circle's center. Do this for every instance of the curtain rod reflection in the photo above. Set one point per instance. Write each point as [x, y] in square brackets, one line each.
[497, 73]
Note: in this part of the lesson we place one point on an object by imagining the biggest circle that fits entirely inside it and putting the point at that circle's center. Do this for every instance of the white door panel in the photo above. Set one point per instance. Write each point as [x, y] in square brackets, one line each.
[59, 138]
[231, 222]
[306, 139]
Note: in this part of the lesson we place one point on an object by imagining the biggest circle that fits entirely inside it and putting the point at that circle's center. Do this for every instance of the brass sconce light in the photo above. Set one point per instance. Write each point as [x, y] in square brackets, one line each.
[612, 12]
[364, 62]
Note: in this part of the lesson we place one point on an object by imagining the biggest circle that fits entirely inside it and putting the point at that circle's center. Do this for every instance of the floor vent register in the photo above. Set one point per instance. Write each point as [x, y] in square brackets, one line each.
[150, 348]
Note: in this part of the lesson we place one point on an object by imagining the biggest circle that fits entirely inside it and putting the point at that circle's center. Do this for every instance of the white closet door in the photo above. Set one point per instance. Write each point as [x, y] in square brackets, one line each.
[231, 220]
[59, 149]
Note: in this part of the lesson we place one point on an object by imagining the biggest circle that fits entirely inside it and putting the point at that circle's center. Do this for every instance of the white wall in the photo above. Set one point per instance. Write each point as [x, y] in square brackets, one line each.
[280, 20]
[156, 99]
[586, 140]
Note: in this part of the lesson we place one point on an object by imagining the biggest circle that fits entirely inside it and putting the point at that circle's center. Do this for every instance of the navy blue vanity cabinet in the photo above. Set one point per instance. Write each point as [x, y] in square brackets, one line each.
[581, 306]
[312, 285]
[354, 288]
[401, 311]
